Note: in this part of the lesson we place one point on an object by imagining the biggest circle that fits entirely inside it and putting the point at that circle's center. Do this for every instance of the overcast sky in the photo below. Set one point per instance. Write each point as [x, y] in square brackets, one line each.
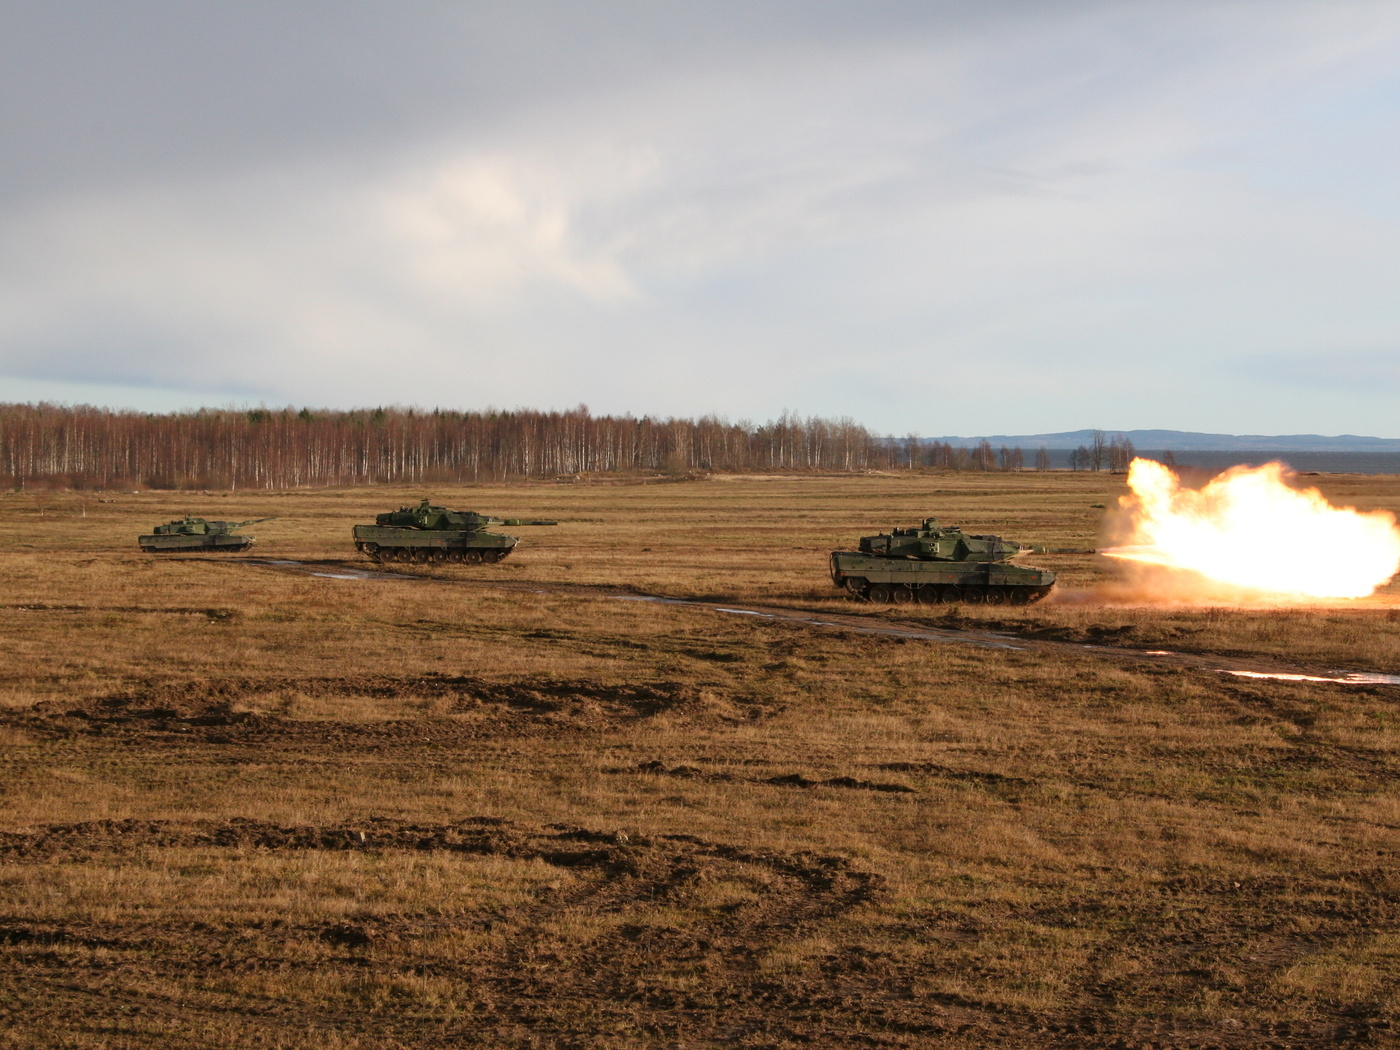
[965, 216]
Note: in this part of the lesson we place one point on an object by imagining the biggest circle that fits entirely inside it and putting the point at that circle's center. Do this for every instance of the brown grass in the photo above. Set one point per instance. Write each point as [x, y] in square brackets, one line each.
[496, 806]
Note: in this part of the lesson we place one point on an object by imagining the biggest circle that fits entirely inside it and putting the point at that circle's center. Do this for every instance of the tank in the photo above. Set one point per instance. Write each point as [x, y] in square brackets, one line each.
[197, 534]
[429, 533]
[933, 564]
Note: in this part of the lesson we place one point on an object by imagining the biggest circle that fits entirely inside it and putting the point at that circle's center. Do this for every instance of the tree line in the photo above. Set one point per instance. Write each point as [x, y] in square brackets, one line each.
[1103, 451]
[85, 447]
[94, 448]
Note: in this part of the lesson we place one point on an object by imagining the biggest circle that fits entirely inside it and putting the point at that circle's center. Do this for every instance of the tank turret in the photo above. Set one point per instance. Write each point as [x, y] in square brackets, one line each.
[198, 534]
[932, 542]
[430, 533]
[430, 517]
[932, 564]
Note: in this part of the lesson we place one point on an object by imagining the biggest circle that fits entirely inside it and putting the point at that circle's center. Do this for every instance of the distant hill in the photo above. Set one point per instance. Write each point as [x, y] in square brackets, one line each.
[1188, 441]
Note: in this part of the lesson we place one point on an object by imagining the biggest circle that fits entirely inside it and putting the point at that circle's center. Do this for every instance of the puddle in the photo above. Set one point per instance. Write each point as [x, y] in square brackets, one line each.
[1351, 678]
[358, 576]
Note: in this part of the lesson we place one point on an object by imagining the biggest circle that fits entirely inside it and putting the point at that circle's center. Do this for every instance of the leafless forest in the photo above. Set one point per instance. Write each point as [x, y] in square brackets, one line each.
[91, 448]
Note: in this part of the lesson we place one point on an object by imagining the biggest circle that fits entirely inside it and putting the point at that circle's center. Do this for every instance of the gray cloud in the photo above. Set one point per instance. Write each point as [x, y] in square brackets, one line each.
[156, 87]
[1072, 211]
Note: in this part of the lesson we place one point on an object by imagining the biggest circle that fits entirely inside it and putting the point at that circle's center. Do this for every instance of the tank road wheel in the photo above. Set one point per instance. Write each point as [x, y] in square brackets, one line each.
[855, 585]
[949, 595]
[490, 557]
[881, 593]
[927, 595]
[902, 594]
[1020, 595]
[472, 557]
[996, 595]
[454, 557]
[419, 555]
[438, 557]
[974, 596]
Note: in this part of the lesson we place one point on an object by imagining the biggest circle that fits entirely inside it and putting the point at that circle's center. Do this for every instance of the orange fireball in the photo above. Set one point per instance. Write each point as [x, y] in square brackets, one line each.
[1249, 529]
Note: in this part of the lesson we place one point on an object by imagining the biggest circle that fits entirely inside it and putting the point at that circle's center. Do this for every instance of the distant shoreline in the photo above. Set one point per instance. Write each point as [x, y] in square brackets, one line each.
[1189, 441]
[1300, 460]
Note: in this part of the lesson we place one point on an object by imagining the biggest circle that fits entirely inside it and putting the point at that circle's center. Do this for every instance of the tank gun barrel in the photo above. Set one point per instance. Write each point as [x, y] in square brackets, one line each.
[523, 521]
[254, 521]
[1056, 550]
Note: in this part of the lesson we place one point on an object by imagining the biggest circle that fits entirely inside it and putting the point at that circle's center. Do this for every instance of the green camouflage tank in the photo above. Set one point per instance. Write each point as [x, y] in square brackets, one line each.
[932, 564]
[198, 534]
[429, 533]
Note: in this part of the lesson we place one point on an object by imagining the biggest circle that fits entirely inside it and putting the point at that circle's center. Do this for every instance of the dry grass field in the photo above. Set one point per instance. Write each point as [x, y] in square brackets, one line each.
[246, 805]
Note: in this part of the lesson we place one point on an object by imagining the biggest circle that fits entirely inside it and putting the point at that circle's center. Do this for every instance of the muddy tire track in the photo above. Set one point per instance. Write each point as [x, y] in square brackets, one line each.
[661, 961]
[245, 710]
[794, 780]
[525, 971]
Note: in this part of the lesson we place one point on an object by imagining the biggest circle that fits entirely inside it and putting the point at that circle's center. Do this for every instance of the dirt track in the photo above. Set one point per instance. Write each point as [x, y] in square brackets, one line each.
[639, 978]
[528, 979]
[886, 625]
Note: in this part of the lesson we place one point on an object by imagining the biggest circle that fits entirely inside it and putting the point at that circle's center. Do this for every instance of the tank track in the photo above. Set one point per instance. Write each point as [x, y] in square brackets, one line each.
[221, 549]
[939, 594]
[437, 555]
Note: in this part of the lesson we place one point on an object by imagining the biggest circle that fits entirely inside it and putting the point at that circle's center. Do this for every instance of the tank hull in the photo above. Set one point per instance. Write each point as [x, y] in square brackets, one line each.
[388, 543]
[901, 580]
[220, 543]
